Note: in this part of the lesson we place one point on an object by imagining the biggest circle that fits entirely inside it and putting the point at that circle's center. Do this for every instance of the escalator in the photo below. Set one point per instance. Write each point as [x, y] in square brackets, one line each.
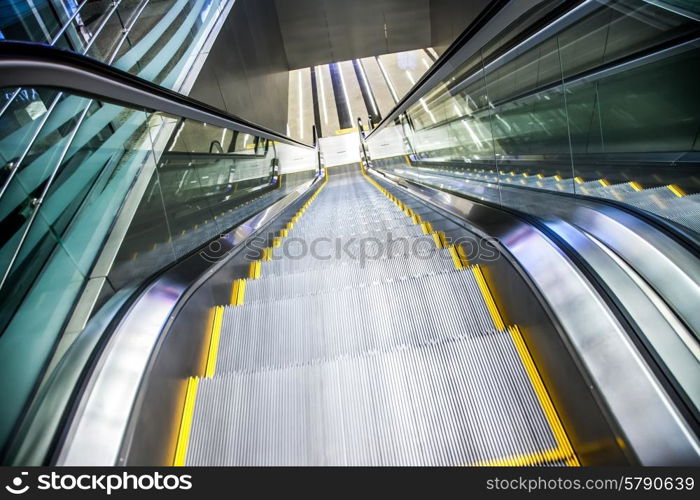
[372, 378]
[210, 294]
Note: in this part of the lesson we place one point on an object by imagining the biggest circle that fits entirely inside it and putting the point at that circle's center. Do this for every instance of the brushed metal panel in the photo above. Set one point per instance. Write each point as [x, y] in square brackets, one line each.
[246, 70]
[448, 18]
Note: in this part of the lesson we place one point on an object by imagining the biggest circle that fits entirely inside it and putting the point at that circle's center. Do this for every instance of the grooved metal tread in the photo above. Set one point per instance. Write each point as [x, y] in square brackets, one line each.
[315, 281]
[345, 322]
[393, 362]
[441, 403]
[396, 257]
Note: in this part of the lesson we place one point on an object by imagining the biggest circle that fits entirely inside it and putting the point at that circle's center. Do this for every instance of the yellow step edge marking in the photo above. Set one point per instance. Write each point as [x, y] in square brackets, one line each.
[443, 239]
[557, 177]
[455, 257]
[579, 180]
[240, 295]
[604, 182]
[488, 298]
[540, 176]
[636, 186]
[277, 241]
[251, 270]
[214, 342]
[564, 446]
[345, 131]
[462, 255]
[529, 459]
[437, 240]
[234, 292]
[254, 270]
[677, 190]
[238, 292]
[183, 436]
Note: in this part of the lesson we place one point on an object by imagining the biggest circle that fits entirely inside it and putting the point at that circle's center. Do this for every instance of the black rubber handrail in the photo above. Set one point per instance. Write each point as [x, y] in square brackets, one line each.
[25, 64]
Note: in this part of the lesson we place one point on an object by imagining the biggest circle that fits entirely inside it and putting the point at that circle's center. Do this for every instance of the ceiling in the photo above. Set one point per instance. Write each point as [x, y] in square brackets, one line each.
[321, 31]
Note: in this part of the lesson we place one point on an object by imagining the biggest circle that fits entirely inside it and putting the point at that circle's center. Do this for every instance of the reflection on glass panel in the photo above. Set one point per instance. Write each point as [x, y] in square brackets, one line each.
[151, 38]
[34, 323]
[36, 21]
[23, 112]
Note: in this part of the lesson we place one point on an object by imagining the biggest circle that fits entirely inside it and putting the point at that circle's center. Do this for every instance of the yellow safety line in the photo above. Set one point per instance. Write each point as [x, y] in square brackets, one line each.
[455, 257]
[183, 436]
[552, 417]
[636, 186]
[677, 190]
[604, 182]
[458, 255]
[488, 298]
[462, 255]
[578, 180]
[214, 342]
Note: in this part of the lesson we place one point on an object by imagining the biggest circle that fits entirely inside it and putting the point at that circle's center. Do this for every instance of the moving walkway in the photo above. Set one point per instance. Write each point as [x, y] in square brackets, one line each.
[377, 313]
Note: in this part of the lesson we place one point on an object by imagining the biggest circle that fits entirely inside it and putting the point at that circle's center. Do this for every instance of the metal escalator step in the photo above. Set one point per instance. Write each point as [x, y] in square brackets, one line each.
[360, 231]
[326, 280]
[317, 217]
[388, 254]
[347, 322]
[440, 403]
